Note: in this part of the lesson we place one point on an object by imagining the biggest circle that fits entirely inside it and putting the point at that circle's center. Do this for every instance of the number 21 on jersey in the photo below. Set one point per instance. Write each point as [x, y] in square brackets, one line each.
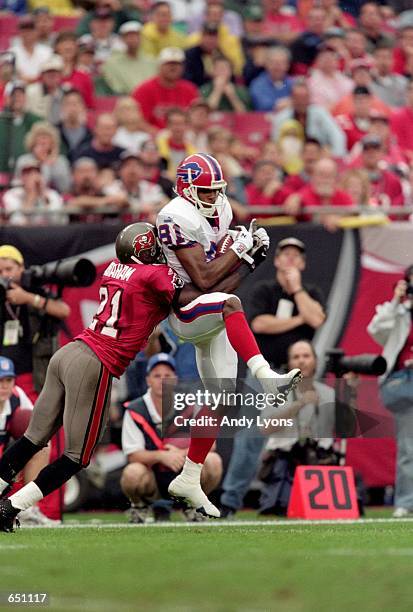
[110, 302]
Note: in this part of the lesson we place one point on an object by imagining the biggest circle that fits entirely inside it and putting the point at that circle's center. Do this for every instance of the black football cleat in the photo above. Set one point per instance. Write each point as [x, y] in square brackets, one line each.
[8, 516]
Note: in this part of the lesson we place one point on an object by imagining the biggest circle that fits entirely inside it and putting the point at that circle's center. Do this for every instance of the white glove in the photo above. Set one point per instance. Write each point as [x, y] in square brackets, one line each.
[261, 238]
[242, 244]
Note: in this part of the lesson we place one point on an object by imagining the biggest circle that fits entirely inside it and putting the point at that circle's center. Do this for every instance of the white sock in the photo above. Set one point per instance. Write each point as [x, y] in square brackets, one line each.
[3, 485]
[259, 367]
[192, 470]
[26, 497]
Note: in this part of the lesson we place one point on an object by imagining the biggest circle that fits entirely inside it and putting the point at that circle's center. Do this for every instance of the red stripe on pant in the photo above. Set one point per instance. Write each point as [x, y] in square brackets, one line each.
[98, 409]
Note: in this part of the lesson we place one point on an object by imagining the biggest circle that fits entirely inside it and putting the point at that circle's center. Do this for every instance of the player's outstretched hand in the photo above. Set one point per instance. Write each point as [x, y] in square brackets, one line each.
[243, 242]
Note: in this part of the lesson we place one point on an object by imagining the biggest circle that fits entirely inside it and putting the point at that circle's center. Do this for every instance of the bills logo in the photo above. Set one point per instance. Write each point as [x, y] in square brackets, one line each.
[189, 172]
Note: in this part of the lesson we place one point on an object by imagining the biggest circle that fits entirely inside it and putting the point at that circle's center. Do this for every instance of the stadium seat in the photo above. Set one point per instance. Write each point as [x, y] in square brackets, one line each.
[8, 29]
[252, 128]
[62, 22]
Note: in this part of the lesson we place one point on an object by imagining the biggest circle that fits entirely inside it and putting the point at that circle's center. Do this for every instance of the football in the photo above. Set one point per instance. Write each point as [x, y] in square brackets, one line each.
[223, 245]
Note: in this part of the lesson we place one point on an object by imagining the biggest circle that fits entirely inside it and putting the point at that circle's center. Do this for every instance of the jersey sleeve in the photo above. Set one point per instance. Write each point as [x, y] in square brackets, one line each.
[177, 232]
[165, 282]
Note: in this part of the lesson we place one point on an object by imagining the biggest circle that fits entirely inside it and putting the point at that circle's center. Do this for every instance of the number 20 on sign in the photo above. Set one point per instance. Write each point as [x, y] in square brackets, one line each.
[323, 492]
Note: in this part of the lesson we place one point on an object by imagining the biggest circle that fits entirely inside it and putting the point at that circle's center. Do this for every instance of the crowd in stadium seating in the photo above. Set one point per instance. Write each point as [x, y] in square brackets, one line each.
[305, 103]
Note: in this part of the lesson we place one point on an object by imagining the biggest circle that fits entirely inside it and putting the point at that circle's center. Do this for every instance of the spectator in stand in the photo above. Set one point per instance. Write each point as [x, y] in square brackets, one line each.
[355, 125]
[386, 188]
[271, 90]
[199, 58]
[152, 165]
[198, 123]
[393, 157]
[73, 128]
[326, 83]
[121, 14]
[87, 194]
[320, 191]
[15, 123]
[280, 23]
[44, 98]
[6, 74]
[254, 43]
[43, 22]
[304, 49]
[43, 146]
[230, 19]
[220, 141]
[356, 183]
[20, 203]
[130, 134]
[312, 153]
[184, 12]
[402, 123]
[403, 53]
[173, 143]
[124, 70]
[66, 46]
[228, 44]
[264, 188]
[290, 147]
[222, 93]
[387, 85]
[166, 89]
[29, 53]
[102, 35]
[144, 199]
[316, 121]
[158, 32]
[336, 18]
[362, 77]
[356, 46]
[101, 148]
[372, 24]
[56, 7]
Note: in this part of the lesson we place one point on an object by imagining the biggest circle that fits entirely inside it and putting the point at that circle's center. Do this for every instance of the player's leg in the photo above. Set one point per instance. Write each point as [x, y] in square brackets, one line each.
[87, 385]
[139, 485]
[45, 420]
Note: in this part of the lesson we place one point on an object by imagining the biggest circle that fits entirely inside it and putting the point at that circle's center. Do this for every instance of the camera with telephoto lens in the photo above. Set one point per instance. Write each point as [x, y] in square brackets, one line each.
[69, 272]
[338, 363]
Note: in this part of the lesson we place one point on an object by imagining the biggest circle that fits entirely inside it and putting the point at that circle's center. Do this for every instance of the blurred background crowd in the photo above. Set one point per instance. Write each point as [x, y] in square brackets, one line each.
[306, 104]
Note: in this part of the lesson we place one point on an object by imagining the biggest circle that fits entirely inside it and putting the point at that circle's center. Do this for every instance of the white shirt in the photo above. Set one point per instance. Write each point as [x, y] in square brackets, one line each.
[13, 201]
[133, 439]
[28, 65]
[25, 403]
[179, 222]
[132, 141]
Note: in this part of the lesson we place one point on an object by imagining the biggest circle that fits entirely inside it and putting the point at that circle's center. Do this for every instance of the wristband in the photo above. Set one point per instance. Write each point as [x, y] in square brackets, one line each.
[36, 301]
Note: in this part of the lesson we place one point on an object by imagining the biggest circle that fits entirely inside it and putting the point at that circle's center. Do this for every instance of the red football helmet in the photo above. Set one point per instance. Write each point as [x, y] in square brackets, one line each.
[201, 171]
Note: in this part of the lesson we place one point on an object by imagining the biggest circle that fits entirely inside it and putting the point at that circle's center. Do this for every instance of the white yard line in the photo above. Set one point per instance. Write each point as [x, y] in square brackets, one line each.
[218, 523]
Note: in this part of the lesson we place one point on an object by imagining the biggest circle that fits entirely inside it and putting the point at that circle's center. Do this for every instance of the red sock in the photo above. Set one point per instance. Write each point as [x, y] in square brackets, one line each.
[240, 336]
[203, 437]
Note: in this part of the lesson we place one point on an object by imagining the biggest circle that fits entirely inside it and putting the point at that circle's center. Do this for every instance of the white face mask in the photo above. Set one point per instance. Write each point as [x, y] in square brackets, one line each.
[291, 146]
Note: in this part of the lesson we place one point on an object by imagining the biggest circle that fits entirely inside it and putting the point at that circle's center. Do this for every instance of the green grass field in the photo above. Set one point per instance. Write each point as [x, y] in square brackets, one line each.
[106, 565]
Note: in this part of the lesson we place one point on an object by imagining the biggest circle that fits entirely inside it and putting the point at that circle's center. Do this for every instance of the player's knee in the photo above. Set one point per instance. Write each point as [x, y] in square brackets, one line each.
[232, 304]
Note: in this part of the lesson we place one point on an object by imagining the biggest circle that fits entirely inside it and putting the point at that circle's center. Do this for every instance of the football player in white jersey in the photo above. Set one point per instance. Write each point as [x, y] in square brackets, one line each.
[190, 228]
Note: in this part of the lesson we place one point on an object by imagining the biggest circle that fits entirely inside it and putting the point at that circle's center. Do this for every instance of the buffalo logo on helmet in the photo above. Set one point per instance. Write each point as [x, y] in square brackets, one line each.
[189, 172]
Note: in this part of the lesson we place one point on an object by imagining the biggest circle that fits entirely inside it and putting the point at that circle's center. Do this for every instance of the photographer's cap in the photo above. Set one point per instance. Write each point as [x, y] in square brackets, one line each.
[160, 358]
[290, 242]
[6, 368]
[7, 251]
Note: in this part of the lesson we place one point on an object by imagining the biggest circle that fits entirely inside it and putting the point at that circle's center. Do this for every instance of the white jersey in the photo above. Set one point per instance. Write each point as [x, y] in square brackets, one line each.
[181, 225]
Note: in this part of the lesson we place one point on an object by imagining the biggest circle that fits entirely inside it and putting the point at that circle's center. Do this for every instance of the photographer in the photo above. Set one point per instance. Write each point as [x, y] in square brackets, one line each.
[392, 328]
[28, 322]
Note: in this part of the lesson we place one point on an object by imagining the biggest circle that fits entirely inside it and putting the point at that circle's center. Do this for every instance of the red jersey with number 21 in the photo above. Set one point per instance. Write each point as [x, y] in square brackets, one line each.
[134, 299]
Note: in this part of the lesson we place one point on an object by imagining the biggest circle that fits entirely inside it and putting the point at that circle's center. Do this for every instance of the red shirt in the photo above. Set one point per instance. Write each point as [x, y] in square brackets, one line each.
[406, 352]
[352, 129]
[387, 189]
[83, 83]
[310, 198]
[402, 127]
[278, 23]
[255, 197]
[399, 60]
[155, 99]
[135, 298]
